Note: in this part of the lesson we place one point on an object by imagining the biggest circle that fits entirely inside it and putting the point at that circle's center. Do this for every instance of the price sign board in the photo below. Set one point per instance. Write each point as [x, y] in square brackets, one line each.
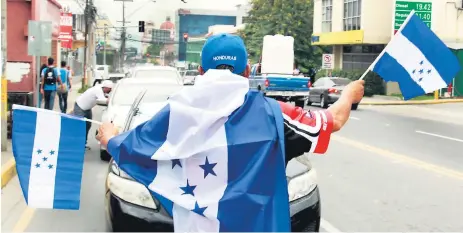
[423, 9]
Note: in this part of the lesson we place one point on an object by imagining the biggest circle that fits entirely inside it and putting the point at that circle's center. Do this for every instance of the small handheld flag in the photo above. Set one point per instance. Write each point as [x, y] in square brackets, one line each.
[417, 59]
[49, 150]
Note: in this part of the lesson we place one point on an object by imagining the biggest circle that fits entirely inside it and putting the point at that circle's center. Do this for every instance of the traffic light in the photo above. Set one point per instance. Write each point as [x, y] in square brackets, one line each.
[141, 26]
[185, 37]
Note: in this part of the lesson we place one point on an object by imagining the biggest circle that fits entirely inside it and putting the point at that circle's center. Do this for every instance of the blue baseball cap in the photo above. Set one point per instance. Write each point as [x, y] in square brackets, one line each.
[224, 49]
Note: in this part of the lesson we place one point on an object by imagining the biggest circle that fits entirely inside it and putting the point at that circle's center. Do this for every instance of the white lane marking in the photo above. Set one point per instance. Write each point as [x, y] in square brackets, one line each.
[328, 226]
[439, 136]
[354, 118]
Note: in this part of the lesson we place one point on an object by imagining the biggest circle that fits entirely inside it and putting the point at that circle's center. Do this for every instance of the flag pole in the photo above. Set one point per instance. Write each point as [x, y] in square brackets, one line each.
[384, 50]
[93, 122]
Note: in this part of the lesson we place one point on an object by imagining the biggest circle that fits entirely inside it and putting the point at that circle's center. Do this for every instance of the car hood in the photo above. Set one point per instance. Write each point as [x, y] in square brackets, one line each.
[118, 114]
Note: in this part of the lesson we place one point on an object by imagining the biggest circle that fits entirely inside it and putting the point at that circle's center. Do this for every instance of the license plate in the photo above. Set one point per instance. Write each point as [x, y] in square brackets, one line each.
[287, 93]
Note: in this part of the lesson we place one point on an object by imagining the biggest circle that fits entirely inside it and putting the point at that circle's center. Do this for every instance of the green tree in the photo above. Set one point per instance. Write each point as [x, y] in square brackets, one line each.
[154, 50]
[286, 17]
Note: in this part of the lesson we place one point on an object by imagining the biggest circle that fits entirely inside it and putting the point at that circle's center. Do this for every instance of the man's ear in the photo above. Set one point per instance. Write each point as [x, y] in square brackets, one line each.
[201, 71]
[247, 71]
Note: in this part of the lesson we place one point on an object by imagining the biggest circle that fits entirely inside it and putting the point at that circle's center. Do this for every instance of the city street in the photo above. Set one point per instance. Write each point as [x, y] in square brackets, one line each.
[392, 168]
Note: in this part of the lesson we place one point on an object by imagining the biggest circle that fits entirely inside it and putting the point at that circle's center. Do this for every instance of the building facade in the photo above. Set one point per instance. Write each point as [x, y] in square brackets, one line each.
[100, 31]
[358, 30]
[21, 73]
[196, 23]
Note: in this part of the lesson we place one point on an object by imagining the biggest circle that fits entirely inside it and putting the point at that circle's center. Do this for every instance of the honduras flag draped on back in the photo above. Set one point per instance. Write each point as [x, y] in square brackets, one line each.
[417, 59]
[49, 150]
[213, 157]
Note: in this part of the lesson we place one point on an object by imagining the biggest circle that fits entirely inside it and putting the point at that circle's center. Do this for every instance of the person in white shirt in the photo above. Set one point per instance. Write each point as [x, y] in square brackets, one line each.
[87, 100]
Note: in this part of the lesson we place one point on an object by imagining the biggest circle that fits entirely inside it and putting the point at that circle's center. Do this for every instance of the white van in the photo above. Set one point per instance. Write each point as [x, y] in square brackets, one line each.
[101, 73]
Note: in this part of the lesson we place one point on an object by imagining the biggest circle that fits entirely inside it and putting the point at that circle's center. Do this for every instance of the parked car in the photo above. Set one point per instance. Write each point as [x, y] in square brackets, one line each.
[125, 92]
[327, 90]
[131, 207]
[158, 72]
[281, 87]
[190, 76]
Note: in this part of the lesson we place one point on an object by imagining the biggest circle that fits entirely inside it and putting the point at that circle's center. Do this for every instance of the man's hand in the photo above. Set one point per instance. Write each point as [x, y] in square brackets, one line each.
[355, 91]
[41, 91]
[352, 94]
[106, 132]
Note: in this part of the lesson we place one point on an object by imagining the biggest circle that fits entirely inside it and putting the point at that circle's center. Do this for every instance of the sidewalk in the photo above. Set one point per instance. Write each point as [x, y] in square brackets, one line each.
[387, 100]
[8, 164]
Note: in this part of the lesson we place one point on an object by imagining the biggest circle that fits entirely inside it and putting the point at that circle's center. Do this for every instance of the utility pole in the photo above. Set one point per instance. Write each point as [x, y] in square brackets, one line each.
[86, 14]
[124, 31]
[104, 46]
[123, 35]
[4, 81]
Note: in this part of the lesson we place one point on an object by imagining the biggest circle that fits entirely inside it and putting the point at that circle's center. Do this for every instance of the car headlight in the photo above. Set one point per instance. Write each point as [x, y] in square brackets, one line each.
[302, 185]
[127, 189]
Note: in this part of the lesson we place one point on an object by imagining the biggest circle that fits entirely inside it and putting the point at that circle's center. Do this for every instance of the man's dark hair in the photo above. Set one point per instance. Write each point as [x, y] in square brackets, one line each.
[63, 63]
[51, 61]
[227, 67]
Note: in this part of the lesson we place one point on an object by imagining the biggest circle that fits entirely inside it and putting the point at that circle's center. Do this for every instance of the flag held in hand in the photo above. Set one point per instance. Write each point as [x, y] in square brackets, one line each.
[49, 150]
[417, 59]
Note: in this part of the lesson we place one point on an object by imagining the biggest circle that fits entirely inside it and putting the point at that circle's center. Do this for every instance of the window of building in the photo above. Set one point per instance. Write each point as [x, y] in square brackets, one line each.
[352, 13]
[359, 57]
[327, 13]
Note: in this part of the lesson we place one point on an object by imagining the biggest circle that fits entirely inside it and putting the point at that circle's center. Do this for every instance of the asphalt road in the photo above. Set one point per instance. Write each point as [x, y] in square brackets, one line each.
[390, 169]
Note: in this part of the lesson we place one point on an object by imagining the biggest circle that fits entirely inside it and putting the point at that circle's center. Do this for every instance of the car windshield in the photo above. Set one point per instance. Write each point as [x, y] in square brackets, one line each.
[156, 73]
[341, 81]
[125, 94]
[192, 73]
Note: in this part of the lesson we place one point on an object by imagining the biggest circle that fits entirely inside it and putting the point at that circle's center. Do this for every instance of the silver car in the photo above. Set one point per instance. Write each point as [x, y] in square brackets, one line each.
[190, 76]
[124, 94]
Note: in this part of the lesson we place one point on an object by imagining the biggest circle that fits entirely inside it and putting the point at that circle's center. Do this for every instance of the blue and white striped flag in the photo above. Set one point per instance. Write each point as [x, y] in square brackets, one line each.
[49, 150]
[417, 59]
[213, 156]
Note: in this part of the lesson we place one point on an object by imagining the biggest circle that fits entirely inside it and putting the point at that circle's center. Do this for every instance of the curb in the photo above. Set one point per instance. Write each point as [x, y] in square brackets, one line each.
[414, 102]
[8, 171]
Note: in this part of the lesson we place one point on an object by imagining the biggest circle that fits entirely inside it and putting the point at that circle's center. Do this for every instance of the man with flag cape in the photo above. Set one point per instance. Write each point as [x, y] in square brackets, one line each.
[215, 154]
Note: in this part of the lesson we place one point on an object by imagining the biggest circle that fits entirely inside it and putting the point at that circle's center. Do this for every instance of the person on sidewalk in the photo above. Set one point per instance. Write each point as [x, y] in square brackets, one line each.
[70, 75]
[63, 89]
[85, 102]
[44, 66]
[50, 76]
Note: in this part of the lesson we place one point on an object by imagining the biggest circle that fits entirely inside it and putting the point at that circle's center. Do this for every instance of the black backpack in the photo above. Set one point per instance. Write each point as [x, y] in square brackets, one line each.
[50, 76]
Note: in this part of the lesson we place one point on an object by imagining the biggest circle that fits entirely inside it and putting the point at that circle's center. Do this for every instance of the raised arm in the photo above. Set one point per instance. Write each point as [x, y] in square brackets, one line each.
[305, 131]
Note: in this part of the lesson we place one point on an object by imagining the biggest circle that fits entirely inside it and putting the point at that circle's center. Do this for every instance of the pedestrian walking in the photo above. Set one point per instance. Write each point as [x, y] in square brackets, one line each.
[222, 122]
[50, 79]
[70, 76]
[40, 85]
[63, 90]
[88, 100]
